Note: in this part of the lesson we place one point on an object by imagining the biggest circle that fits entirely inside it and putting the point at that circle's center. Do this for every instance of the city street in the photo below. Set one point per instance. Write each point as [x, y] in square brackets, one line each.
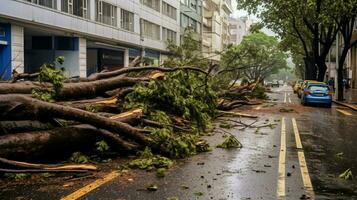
[272, 164]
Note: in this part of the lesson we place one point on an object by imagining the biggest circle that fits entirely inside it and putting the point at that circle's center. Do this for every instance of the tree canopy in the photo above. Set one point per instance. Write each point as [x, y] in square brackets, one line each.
[259, 57]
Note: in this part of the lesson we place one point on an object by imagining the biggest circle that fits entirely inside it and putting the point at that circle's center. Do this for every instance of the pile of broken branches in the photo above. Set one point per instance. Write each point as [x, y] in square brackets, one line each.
[88, 110]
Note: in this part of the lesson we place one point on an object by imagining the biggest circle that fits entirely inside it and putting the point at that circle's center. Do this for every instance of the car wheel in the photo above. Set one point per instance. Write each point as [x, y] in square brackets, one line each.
[328, 105]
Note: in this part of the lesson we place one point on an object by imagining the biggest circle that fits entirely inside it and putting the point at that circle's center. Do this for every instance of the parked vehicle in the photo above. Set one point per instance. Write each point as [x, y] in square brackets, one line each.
[297, 86]
[268, 84]
[303, 85]
[275, 83]
[317, 93]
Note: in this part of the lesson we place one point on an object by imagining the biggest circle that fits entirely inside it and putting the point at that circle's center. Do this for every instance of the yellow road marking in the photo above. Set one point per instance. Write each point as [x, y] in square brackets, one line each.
[282, 157]
[88, 188]
[302, 162]
[285, 97]
[344, 112]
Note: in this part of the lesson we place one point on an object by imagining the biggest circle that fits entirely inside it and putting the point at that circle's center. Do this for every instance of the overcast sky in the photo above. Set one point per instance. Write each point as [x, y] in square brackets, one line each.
[240, 13]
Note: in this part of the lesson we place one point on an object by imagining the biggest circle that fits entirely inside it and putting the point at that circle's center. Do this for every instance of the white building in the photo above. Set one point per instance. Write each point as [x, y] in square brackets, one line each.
[216, 35]
[239, 27]
[90, 34]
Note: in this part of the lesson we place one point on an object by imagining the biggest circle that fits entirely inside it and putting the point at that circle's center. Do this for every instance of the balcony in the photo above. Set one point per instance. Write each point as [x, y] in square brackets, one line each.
[227, 6]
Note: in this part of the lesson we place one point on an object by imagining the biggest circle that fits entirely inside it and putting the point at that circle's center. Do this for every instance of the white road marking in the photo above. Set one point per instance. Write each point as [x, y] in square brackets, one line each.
[289, 100]
[302, 162]
[344, 112]
[282, 157]
[285, 97]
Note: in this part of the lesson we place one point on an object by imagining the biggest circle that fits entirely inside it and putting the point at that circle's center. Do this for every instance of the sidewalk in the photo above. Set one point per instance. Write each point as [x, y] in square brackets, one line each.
[350, 99]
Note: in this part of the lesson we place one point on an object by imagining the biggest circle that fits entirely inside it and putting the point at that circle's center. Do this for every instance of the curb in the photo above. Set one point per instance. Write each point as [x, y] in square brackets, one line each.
[345, 104]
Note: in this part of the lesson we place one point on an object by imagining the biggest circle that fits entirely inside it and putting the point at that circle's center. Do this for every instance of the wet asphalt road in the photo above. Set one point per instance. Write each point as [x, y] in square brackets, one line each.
[250, 172]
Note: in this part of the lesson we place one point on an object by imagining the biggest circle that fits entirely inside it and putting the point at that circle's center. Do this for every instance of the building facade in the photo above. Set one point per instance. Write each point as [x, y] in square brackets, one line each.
[239, 27]
[191, 16]
[92, 35]
[216, 34]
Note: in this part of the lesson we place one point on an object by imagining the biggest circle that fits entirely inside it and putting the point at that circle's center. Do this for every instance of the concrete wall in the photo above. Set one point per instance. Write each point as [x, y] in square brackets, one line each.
[82, 57]
[17, 48]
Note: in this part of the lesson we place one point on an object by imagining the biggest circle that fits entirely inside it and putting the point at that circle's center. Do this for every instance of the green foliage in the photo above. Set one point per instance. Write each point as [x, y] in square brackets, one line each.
[179, 145]
[16, 176]
[49, 74]
[229, 143]
[47, 175]
[148, 161]
[183, 94]
[102, 146]
[78, 157]
[226, 125]
[160, 172]
[259, 93]
[160, 116]
[347, 175]
[152, 187]
[91, 108]
[188, 53]
[172, 198]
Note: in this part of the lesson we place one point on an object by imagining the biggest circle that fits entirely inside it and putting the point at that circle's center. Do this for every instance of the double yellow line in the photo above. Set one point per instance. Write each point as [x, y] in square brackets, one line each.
[302, 162]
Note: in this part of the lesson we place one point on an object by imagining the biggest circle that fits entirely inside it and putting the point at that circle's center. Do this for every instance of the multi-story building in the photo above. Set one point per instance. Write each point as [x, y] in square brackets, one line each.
[216, 35]
[91, 34]
[191, 16]
[239, 27]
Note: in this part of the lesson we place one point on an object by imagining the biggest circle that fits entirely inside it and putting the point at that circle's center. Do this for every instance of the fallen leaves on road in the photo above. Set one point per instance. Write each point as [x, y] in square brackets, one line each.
[347, 175]
[230, 142]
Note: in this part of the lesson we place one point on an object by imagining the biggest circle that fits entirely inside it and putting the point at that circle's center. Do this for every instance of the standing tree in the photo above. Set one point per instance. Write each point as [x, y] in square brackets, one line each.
[260, 56]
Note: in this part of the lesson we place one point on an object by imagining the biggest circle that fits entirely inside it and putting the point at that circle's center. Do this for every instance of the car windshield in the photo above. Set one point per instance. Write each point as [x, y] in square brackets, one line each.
[319, 88]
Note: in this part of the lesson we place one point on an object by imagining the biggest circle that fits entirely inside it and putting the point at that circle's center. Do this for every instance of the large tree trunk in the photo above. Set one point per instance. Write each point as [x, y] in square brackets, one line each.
[19, 107]
[322, 69]
[58, 143]
[310, 68]
[23, 126]
[74, 90]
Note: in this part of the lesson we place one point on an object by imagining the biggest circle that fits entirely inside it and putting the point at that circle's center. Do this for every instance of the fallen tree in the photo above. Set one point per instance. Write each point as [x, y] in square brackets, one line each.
[164, 108]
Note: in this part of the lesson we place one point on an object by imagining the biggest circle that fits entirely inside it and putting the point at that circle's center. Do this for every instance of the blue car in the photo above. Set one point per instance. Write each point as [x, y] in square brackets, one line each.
[317, 93]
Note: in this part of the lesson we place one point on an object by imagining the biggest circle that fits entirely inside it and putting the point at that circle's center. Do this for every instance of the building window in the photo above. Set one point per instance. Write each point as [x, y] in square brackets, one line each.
[127, 20]
[169, 10]
[193, 4]
[76, 7]
[184, 20]
[168, 34]
[46, 3]
[154, 4]
[2, 32]
[150, 30]
[106, 13]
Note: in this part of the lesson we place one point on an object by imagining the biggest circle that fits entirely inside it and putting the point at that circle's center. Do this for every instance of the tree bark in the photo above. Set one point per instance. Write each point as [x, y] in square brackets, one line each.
[74, 90]
[19, 107]
[58, 143]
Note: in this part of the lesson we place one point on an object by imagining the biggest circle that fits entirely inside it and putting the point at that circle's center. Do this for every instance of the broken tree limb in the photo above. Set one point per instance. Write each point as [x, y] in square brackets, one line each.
[74, 90]
[224, 105]
[46, 144]
[237, 114]
[126, 70]
[41, 171]
[17, 76]
[48, 167]
[18, 107]
[160, 125]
